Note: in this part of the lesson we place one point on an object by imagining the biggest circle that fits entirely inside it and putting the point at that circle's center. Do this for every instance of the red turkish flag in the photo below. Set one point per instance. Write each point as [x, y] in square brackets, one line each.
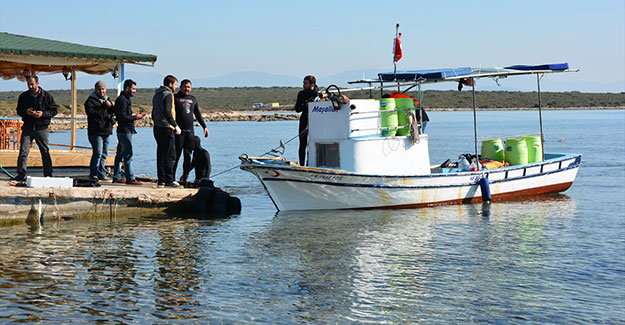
[397, 52]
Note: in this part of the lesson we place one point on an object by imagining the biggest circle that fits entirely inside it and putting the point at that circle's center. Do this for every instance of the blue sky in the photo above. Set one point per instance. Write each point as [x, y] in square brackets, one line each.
[201, 39]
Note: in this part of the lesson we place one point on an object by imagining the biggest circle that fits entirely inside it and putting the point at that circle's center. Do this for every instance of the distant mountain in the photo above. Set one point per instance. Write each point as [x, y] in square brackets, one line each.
[248, 79]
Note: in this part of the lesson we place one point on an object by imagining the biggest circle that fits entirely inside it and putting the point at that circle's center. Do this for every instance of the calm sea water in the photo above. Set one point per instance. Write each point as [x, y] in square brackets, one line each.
[552, 259]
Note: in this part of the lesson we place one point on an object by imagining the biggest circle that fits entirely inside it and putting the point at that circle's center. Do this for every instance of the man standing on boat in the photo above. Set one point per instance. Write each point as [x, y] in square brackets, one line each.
[308, 94]
[125, 130]
[186, 108]
[99, 109]
[36, 107]
[165, 127]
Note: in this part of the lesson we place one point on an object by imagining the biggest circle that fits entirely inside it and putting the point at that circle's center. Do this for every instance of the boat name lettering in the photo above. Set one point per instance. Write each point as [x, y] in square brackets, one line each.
[323, 109]
[328, 177]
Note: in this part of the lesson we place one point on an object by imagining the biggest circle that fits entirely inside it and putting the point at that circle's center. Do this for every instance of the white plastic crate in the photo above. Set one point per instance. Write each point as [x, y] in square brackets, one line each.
[49, 182]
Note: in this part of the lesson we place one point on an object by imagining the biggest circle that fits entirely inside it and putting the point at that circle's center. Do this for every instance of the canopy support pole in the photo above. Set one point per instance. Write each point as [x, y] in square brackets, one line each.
[540, 118]
[475, 123]
[73, 141]
[420, 110]
[120, 79]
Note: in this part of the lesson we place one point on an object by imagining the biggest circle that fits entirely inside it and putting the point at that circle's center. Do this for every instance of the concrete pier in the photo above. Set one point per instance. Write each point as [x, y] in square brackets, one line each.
[17, 203]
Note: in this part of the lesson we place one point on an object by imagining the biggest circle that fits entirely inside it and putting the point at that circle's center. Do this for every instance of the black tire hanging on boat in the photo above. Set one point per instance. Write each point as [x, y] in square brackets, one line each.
[212, 202]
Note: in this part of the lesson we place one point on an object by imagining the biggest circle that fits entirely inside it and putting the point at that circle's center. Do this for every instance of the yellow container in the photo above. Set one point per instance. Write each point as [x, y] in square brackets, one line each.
[388, 119]
[516, 151]
[492, 149]
[534, 148]
[402, 105]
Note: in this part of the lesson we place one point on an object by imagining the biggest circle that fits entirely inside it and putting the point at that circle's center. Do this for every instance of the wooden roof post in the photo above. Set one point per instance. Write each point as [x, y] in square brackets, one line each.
[73, 142]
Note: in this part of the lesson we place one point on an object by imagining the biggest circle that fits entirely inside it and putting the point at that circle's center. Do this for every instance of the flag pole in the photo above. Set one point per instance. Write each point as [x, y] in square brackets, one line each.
[394, 54]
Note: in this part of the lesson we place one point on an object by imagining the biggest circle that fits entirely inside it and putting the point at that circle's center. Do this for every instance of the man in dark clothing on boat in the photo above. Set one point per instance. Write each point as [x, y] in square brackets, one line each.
[100, 120]
[36, 107]
[125, 130]
[165, 127]
[308, 94]
[186, 108]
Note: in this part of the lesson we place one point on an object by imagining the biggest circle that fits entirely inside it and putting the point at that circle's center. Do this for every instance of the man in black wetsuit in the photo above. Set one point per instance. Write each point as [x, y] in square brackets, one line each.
[308, 94]
[201, 161]
[186, 108]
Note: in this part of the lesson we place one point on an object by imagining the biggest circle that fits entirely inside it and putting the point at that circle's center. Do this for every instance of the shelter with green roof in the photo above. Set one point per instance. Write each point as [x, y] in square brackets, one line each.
[24, 55]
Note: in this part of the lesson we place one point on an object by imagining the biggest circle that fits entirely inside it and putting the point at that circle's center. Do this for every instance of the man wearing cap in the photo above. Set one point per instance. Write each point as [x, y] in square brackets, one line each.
[99, 109]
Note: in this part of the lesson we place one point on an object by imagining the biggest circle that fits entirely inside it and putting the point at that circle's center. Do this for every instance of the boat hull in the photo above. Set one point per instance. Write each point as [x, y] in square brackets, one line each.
[302, 188]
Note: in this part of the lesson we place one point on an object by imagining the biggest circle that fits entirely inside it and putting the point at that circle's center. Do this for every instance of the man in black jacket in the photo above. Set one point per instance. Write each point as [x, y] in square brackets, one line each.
[308, 94]
[186, 108]
[125, 130]
[100, 122]
[36, 107]
[165, 127]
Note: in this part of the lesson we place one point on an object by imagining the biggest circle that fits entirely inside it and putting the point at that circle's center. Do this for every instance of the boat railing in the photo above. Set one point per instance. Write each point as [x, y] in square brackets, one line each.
[380, 128]
[386, 111]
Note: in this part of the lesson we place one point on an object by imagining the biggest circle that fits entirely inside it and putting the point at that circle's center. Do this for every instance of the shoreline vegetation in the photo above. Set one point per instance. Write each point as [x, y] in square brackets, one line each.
[237, 103]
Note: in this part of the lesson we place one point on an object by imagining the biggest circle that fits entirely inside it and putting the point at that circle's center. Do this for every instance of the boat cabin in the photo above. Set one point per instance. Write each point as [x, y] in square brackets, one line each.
[351, 139]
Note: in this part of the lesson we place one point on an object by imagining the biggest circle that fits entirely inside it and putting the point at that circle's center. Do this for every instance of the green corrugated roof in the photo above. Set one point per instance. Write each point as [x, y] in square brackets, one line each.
[26, 45]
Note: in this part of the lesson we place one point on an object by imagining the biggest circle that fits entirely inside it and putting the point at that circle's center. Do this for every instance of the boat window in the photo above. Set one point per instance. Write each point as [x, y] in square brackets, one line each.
[327, 155]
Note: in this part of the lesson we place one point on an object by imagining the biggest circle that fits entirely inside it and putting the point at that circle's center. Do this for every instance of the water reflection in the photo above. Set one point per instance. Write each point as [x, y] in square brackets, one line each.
[375, 265]
[177, 264]
[446, 262]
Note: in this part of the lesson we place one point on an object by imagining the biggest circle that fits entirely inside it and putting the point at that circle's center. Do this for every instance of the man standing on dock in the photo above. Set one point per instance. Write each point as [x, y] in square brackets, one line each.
[125, 130]
[36, 107]
[186, 108]
[308, 94]
[99, 109]
[165, 127]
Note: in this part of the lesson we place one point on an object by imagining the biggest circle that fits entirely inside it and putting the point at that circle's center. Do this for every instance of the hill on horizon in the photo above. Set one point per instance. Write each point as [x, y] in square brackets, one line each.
[151, 79]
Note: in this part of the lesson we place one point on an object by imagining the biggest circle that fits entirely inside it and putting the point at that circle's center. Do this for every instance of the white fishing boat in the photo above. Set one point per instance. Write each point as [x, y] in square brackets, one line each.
[357, 161]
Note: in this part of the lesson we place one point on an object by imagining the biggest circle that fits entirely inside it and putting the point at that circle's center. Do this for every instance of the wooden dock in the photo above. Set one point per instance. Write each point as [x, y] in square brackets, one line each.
[17, 203]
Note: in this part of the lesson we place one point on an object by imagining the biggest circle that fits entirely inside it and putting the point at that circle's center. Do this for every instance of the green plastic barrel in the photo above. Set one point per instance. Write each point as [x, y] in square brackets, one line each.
[389, 119]
[492, 149]
[516, 151]
[402, 120]
[534, 148]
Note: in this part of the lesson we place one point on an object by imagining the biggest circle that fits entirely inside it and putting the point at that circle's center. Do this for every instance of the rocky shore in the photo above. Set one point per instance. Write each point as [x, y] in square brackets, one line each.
[63, 121]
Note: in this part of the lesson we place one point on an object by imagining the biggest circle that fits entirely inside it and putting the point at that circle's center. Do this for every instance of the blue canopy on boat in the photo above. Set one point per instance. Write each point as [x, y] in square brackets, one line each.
[454, 74]
[430, 74]
[552, 66]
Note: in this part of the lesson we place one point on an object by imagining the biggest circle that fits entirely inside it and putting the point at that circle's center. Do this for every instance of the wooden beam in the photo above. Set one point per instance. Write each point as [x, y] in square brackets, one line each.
[73, 142]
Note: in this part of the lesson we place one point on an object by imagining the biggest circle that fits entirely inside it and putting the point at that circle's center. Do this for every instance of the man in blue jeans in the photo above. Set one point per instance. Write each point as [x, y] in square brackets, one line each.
[99, 109]
[125, 130]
